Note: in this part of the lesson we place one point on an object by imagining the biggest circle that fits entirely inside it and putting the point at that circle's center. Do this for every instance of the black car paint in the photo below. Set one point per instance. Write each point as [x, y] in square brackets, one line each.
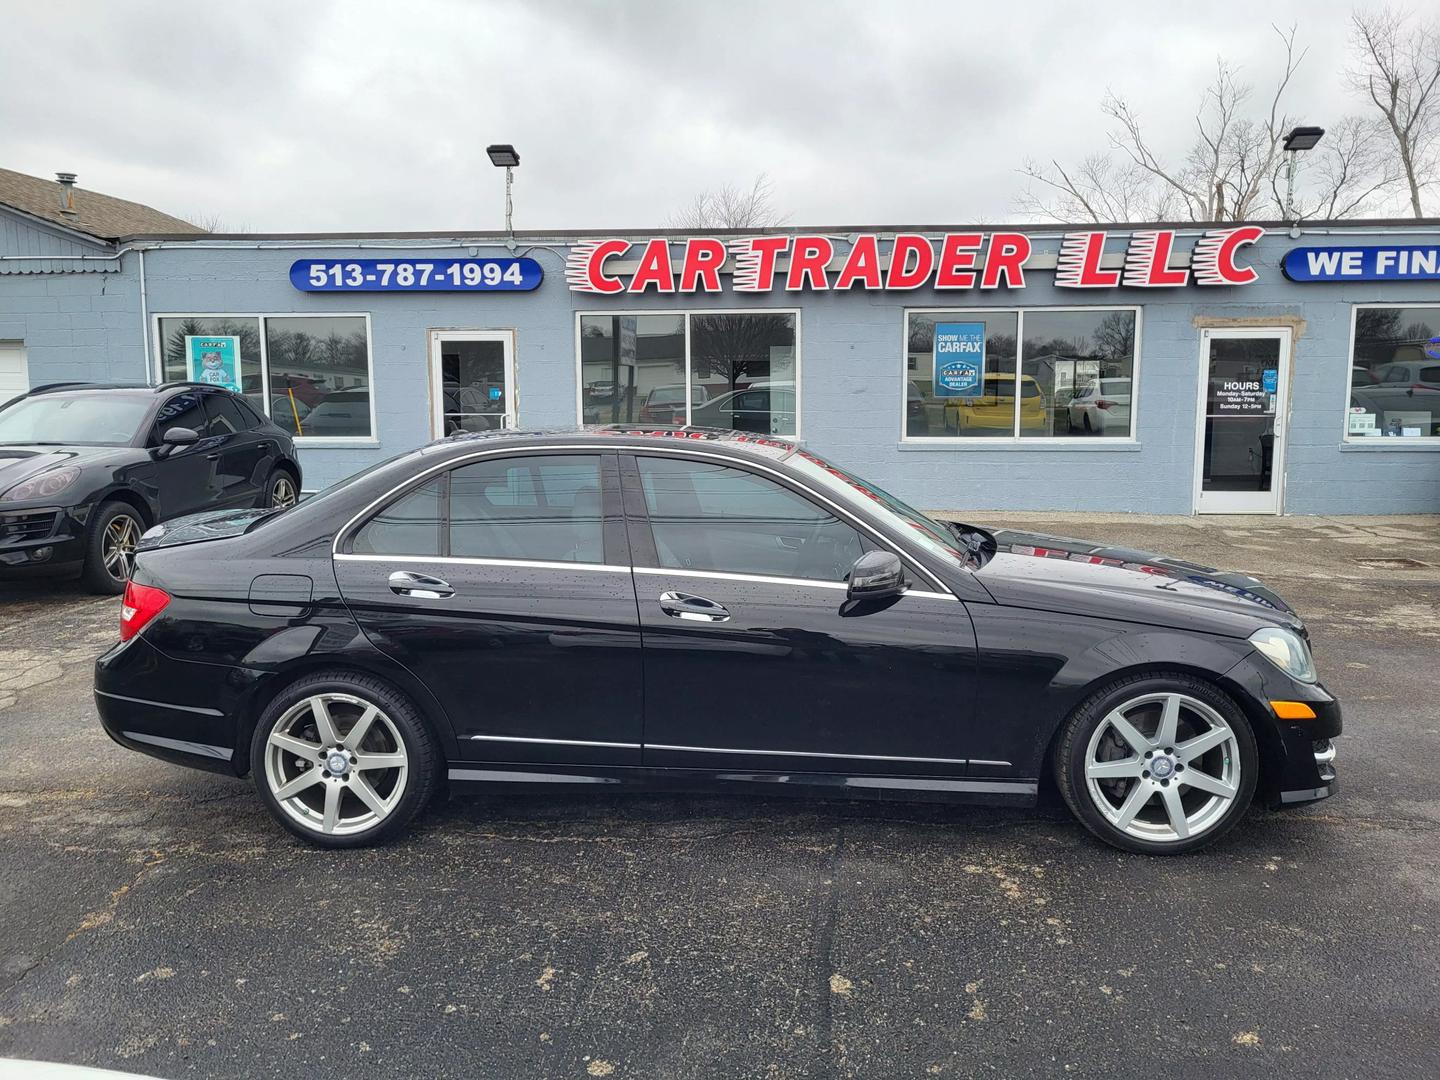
[160, 482]
[975, 682]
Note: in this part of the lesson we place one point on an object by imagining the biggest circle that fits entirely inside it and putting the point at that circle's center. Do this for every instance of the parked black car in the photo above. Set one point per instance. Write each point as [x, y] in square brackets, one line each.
[699, 609]
[85, 469]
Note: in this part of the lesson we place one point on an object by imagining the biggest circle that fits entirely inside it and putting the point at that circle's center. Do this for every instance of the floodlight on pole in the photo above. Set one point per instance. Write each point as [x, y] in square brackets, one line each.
[503, 156]
[1299, 139]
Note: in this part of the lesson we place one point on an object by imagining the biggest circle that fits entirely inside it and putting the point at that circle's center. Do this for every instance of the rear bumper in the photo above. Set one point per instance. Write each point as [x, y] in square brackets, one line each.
[185, 713]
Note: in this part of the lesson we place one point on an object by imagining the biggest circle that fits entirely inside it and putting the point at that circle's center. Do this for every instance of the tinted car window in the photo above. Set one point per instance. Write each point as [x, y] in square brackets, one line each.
[543, 507]
[182, 410]
[713, 517]
[411, 525]
[225, 416]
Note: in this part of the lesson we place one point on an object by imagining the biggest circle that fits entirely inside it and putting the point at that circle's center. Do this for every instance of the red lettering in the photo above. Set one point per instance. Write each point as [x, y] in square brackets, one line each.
[902, 275]
[654, 269]
[755, 262]
[862, 264]
[585, 268]
[704, 255]
[1006, 257]
[1213, 260]
[1078, 264]
[808, 258]
[958, 252]
[1147, 261]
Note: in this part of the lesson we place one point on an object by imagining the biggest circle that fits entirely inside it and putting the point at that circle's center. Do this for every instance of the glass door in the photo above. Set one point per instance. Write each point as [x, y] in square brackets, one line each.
[472, 380]
[1244, 385]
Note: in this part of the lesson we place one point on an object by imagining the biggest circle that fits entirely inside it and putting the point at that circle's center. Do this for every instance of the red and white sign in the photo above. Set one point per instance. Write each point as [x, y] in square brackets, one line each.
[956, 261]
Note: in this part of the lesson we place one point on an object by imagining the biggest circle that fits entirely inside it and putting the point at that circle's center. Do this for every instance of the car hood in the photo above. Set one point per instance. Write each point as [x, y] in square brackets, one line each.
[194, 528]
[20, 462]
[1055, 573]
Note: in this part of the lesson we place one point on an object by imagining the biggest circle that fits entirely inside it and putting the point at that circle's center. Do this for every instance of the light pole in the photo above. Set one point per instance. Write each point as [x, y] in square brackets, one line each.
[1300, 138]
[503, 156]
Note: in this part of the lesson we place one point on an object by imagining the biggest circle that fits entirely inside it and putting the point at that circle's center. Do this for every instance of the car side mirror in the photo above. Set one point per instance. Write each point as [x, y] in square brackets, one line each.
[176, 437]
[876, 575]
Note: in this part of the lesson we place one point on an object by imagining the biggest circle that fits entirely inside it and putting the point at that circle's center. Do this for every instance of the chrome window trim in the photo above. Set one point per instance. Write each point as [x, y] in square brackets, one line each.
[766, 579]
[529, 564]
[619, 446]
[557, 742]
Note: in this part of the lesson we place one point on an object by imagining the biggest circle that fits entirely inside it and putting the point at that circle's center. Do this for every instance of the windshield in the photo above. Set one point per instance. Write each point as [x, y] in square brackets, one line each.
[928, 532]
[74, 419]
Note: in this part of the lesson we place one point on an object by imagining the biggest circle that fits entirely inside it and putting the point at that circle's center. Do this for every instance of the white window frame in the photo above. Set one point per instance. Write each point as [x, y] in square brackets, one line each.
[158, 362]
[1383, 442]
[952, 442]
[686, 315]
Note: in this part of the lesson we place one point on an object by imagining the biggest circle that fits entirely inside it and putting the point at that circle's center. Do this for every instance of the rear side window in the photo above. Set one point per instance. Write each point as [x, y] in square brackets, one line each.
[544, 507]
[705, 516]
[413, 524]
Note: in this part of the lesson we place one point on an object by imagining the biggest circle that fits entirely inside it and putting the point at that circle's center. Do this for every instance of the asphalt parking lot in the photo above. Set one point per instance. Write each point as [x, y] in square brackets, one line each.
[154, 920]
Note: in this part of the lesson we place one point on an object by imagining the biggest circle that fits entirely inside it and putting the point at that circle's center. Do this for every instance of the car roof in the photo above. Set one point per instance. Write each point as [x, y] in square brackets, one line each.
[629, 436]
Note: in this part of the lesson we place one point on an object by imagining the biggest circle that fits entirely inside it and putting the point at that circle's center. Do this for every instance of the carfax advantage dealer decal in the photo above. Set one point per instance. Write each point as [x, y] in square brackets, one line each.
[910, 261]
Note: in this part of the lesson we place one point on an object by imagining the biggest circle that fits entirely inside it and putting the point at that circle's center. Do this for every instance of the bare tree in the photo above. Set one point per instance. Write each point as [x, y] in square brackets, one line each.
[1232, 170]
[1398, 69]
[214, 223]
[729, 207]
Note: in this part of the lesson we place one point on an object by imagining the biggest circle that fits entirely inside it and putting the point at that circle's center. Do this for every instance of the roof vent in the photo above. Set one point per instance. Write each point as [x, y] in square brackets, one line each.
[67, 192]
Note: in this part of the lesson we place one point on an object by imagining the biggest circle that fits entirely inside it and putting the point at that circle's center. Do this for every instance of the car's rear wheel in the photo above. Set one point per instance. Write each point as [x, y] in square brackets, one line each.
[281, 492]
[115, 529]
[343, 760]
[1161, 764]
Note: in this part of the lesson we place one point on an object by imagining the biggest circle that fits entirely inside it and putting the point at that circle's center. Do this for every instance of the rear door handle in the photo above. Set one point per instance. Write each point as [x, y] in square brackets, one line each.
[680, 605]
[420, 586]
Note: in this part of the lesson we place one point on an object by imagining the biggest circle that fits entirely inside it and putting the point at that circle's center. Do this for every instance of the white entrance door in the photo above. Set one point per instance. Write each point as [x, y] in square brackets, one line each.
[472, 380]
[14, 370]
[1240, 444]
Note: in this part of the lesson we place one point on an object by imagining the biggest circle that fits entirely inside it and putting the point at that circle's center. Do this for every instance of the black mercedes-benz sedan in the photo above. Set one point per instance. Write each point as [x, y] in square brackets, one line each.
[700, 609]
[85, 468]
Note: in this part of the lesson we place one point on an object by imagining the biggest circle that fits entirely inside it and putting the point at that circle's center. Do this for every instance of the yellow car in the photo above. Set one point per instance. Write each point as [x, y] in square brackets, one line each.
[994, 411]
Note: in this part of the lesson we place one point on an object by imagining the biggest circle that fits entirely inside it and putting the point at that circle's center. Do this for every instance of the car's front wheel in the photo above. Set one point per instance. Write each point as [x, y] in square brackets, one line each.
[343, 759]
[1161, 764]
[115, 529]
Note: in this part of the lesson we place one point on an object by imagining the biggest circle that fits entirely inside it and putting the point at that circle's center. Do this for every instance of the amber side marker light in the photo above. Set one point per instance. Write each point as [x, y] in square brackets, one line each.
[1292, 710]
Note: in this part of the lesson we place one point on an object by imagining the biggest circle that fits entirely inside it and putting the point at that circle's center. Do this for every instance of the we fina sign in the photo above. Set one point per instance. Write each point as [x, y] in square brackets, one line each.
[909, 261]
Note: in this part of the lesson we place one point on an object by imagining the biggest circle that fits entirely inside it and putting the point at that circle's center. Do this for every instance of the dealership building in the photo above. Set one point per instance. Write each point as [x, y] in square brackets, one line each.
[1153, 368]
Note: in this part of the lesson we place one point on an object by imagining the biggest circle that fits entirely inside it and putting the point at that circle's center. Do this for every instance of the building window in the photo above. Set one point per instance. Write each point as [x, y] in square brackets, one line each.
[310, 374]
[1020, 374]
[731, 370]
[1395, 374]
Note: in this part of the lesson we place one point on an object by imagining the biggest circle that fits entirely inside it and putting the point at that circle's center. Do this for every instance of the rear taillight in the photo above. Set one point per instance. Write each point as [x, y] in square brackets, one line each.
[140, 604]
[1103, 404]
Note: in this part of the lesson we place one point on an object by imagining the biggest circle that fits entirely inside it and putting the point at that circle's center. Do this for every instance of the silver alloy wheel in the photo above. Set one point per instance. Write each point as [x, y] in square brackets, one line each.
[282, 492]
[117, 546]
[336, 764]
[1163, 767]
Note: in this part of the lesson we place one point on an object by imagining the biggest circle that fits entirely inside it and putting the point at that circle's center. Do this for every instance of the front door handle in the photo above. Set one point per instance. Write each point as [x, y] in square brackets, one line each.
[680, 605]
[420, 586]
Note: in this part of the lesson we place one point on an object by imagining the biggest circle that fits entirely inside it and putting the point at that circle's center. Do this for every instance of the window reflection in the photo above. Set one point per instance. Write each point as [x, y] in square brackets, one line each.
[1395, 374]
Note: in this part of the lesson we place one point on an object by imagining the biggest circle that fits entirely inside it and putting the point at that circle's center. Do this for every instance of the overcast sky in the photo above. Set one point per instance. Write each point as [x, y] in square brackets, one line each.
[284, 116]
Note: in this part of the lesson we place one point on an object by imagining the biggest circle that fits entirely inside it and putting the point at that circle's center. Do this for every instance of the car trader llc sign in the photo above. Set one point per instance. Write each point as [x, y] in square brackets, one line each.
[909, 261]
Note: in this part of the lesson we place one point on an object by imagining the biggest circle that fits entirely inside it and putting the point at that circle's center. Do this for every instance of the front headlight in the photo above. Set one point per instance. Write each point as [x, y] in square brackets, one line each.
[43, 486]
[1287, 651]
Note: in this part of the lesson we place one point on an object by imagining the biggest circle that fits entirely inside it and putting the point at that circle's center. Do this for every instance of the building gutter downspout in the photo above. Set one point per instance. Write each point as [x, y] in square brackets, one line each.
[145, 322]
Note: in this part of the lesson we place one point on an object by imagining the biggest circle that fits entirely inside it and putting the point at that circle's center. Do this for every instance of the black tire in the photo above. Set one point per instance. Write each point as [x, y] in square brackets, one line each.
[424, 756]
[1073, 746]
[1085, 420]
[281, 489]
[98, 576]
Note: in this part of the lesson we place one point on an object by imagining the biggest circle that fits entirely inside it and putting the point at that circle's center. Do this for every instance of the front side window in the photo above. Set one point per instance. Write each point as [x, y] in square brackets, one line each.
[634, 370]
[223, 416]
[1395, 374]
[546, 508]
[310, 375]
[705, 516]
[183, 411]
[1020, 374]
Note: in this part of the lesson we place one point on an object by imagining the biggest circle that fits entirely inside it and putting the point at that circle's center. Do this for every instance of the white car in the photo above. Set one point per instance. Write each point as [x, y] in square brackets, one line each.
[1101, 406]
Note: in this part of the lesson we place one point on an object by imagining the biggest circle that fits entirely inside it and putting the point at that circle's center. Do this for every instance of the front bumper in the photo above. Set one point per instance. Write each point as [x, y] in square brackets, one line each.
[1297, 756]
[37, 539]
